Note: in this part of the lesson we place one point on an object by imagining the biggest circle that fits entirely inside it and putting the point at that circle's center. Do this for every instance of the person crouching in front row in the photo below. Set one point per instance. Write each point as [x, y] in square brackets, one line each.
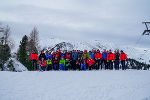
[42, 65]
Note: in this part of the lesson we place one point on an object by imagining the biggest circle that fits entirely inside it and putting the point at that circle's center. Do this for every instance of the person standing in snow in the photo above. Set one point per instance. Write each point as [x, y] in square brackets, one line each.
[42, 55]
[110, 59]
[42, 65]
[68, 64]
[117, 58]
[78, 64]
[91, 54]
[84, 57]
[123, 58]
[34, 59]
[74, 59]
[98, 57]
[56, 64]
[104, 59]
[62, 64]
[84, 63]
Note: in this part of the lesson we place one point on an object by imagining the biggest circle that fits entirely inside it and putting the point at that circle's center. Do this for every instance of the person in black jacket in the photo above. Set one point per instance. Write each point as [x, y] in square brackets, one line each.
[42, 55]
[117, 58]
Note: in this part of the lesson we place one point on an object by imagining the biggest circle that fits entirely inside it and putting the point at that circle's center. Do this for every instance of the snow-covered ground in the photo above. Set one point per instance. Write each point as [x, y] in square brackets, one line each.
[75, 85]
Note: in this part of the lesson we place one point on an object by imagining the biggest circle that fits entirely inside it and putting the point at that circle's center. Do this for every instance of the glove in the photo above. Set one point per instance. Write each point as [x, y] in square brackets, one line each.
[112, 60]
[107, 60]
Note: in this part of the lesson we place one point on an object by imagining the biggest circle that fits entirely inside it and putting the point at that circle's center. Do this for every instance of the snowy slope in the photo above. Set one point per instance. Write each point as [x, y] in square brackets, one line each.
[17, 65]
[75, 85]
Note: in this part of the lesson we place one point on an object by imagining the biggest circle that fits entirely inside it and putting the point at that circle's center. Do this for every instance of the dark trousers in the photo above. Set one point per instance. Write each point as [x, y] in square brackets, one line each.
[116, 64]
[91, 67]
[78, 66]
[74, 64]
[97, 64]
[49, 67]
[110, 65]
[56, 67]
[103, 61]
[123, 64]
[34, 64]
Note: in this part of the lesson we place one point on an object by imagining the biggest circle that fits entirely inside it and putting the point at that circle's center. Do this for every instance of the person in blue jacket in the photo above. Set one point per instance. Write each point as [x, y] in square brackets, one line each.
[104, 59]
[74, 59]
[91, 54]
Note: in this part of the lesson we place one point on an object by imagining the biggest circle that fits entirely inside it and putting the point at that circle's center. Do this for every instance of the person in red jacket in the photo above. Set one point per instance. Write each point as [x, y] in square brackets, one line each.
[110, 59]
[123, 58]
[42, 65]
[34, 59]
[97, 57]
[90, 63]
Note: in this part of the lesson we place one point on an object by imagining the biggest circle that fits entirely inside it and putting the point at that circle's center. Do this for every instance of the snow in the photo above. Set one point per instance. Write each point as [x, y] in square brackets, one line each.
[17, 65]
[75, 85]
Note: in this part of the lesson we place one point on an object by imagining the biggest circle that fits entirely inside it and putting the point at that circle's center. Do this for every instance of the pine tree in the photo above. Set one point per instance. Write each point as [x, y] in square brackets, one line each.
[22, 52]
[4, 55]
[5, 51]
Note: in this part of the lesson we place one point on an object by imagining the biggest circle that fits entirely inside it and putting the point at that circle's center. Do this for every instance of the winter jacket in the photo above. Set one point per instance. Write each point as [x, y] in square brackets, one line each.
[104, 55]
[86, 55]
[62, 62]
[55, 62]
[42, 63]
[47, 56]
[49, 62]
[34, 56]
[98, 56]
[110, 56]
[80, 55]
[92, 55]
[42, 55]
[68, 56]
[123, 56]
[90, 62]
[117, 56]
[74, 56]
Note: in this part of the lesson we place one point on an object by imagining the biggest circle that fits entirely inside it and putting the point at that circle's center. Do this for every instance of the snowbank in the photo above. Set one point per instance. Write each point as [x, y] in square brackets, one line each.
[75, 85]
[16, 64]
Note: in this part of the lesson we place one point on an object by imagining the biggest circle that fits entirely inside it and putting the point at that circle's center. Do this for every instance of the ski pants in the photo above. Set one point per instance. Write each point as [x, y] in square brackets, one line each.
[41, 68]
[74, 64]
[116, 64]
[91, 67]
[62, 67]
[123, 64]
[56, 67]
[110, 65]
[97, 64]
[49, 67]
[83, 67]
[105, 64]
[34, 64]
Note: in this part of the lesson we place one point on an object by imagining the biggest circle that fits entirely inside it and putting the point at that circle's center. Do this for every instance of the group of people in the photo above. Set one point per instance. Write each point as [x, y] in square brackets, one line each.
[79, 60]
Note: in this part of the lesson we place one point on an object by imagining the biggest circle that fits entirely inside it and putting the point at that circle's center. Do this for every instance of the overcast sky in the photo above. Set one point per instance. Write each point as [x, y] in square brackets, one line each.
[116, 20]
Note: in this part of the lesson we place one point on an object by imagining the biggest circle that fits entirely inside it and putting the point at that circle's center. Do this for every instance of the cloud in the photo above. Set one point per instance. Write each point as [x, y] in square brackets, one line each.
[118, 20]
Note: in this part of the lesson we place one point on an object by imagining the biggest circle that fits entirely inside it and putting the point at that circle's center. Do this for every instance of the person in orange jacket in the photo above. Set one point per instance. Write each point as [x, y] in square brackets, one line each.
[42, 65]
[90, 63]
[110, 59]
[123, 58]
[34, 59]
[97, 57]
